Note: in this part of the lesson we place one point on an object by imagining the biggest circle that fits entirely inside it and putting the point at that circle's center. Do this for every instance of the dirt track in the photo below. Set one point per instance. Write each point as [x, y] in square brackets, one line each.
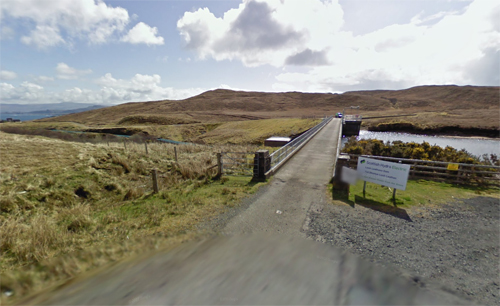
[453, 247]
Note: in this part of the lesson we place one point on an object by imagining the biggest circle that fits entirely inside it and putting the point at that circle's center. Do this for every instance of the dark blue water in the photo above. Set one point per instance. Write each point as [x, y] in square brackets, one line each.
[475, 146]
[22, 117]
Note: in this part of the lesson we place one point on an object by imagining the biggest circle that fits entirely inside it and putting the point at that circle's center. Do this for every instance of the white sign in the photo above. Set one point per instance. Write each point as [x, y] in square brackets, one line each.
[349, 176]
[384, 173]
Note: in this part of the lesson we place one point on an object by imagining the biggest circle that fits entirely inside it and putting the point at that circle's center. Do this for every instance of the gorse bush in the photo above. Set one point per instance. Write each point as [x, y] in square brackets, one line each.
[412, 150]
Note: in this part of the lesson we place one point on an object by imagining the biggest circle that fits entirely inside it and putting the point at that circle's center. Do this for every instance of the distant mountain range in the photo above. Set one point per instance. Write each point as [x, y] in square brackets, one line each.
[48, 109]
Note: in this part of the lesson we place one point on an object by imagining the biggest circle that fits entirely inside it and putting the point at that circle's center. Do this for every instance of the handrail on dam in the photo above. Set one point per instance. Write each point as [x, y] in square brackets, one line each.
[283, 154]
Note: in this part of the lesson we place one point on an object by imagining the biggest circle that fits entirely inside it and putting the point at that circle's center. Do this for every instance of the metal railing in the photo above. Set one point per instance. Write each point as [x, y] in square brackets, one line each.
[280, 155]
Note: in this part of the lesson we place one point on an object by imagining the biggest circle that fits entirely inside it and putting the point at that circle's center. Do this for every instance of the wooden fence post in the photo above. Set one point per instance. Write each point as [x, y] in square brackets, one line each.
[146, 145]
[154, 174]
[125, 144]
[175, 151]
[219, 164]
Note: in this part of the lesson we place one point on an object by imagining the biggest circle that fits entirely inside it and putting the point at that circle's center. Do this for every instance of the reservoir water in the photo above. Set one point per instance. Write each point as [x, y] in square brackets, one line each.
[475, 146]
[22, 117]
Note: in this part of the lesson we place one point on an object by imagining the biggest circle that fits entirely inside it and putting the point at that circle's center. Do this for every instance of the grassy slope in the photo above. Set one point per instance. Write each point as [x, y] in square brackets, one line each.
[468, 106]
[256, 131]
[68, 207]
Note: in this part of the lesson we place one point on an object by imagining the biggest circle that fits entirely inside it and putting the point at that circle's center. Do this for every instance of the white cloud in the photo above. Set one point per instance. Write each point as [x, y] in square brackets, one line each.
[143, 34]
[139, 88]
[43, 79]
[7, 75]
[43, 36]
[262, 32]
[443, 48]
[26, 92]
[58, 22]
[66, 72]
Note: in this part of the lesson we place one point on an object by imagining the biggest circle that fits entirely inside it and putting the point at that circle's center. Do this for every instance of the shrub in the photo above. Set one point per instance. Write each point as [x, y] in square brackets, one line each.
[409, 150]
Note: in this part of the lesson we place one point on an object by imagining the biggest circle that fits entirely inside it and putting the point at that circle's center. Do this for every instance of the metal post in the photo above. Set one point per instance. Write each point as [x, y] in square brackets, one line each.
[364, 189]
[394, 196]
[155, 180]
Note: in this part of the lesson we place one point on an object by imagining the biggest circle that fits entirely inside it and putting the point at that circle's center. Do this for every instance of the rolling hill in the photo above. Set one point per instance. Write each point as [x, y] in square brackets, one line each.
[432, 106]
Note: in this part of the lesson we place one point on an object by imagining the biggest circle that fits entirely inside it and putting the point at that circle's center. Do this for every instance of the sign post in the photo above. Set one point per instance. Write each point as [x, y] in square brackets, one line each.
[384, 173]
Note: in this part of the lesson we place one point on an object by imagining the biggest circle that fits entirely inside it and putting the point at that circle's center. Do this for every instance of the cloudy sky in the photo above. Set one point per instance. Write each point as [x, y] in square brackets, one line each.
[109, 52]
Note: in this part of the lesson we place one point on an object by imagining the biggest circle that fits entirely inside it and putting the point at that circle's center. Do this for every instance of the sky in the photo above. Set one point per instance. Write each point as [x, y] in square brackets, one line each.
[111, 52]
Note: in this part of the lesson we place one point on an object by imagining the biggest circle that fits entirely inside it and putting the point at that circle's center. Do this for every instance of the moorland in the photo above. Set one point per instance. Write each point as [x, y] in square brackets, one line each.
[213, 116]
[70, 206]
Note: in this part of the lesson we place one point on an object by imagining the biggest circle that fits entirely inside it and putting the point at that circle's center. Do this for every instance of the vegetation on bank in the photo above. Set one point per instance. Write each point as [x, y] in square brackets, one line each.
[453, 128]
[418, 192]
[413, 150]
[67, 207]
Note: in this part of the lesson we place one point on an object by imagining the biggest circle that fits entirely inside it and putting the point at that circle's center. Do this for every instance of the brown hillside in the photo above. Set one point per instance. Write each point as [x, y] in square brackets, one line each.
[464, 106]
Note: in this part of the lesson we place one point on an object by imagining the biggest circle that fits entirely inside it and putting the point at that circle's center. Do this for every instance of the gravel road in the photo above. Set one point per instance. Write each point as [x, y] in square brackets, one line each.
[452, 247]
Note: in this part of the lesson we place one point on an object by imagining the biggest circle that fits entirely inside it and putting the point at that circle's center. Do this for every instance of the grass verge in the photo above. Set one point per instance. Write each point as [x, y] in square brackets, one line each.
[67, 207]
[417, 193]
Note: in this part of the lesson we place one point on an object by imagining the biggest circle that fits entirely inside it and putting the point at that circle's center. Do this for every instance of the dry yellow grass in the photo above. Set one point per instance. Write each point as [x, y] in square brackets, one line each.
[69, 207]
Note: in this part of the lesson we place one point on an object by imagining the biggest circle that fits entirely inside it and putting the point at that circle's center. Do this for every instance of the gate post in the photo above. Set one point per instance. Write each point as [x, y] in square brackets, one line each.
[262, 164]
[342, 161]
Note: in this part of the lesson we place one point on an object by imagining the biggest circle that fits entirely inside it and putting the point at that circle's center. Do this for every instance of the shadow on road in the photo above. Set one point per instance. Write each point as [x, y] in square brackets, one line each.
[384, 208]
[395, 211]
